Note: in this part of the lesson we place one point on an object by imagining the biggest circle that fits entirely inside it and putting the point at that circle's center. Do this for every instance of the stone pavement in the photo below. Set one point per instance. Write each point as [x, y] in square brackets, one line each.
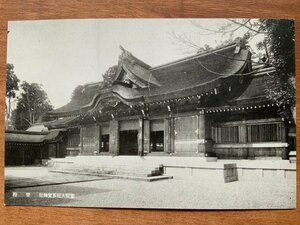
[171, 194]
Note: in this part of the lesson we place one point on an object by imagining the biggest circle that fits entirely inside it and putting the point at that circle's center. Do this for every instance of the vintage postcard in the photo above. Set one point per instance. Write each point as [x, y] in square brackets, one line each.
[151, 113]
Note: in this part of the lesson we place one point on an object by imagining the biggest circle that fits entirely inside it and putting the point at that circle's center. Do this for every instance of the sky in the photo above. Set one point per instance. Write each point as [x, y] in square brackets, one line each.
[62, 54]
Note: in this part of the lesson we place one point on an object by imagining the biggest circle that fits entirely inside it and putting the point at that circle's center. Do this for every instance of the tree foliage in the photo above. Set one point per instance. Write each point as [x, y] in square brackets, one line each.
[12, 85]
[77, 92]
[32, 106]
[12, 81]
[82, 94]
[280, 42]
[109, 76]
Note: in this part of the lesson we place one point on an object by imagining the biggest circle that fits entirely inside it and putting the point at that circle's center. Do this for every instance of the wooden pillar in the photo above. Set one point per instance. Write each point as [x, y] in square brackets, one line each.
[99, 138]
[243, 139]
[205, 143]
[114, 137]
[81, 140]
[243, 133]
[283, 132]
[283, 136]
[172, 135]
[141, 137]
[167, 136]
[146, 136]
[23, 156]
[201, 132]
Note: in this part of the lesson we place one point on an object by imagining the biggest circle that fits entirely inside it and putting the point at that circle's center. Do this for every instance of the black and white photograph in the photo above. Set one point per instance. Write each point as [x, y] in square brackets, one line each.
[151, 113]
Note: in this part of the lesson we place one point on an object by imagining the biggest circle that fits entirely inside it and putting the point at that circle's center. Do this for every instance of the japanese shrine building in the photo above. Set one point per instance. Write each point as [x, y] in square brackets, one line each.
[211, 103]
[33, 147]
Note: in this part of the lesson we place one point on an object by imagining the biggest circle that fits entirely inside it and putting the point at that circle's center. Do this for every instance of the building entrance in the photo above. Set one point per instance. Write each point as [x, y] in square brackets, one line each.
[128, 142]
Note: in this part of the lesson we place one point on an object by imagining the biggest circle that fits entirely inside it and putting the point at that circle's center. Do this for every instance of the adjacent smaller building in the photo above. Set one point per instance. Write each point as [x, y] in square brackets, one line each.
[32, 147]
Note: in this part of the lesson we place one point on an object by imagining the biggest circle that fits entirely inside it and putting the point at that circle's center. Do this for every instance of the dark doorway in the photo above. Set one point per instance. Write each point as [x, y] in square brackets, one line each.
[157, 141]
[129, 142]
[104, 147]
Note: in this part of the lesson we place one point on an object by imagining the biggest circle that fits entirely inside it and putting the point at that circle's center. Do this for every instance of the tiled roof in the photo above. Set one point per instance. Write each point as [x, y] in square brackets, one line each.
[60, 122]
[255, 91]
[139, 73]
[187, 75]
[30, 137]
[88, 93]
[196, 74]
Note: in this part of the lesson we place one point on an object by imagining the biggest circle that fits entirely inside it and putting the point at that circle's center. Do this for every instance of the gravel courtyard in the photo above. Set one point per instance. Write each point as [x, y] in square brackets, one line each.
[120, 193]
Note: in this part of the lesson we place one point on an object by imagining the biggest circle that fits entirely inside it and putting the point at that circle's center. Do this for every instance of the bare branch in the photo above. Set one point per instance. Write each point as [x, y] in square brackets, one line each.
[246, 26]
[27, 121]
[185, 42]
[221, 31]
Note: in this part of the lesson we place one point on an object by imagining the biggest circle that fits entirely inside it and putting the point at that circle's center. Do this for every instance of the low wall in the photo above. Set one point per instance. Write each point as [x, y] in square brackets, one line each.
[267, 174]
[242, 171]
[196, 167]
[224, 173]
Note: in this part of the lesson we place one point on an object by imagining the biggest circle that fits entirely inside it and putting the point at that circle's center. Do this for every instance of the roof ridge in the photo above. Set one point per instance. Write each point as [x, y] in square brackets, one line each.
[128, 55]
[191, 57]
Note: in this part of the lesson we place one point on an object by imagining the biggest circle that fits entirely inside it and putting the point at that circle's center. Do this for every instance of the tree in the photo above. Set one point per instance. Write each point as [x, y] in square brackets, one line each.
[109, 76]
[32, 106]
[12, 85]
[278, 44]
[77, 93]
[82, 94]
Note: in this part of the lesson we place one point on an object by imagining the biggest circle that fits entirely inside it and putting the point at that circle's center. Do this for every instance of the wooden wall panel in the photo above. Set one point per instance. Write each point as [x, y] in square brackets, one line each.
[54, 9]
[114, 137]
[186, 135]
[90, 140]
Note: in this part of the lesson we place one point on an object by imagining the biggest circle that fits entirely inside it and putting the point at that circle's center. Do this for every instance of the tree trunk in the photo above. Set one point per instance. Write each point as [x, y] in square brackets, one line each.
[9, 106]
[293, 110]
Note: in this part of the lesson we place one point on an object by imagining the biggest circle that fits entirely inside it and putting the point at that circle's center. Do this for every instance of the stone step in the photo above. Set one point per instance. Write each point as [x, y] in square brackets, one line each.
[127, 168]
[108, 165]
[148, 173]
[144, 173]
[109, 168]
[129, 177]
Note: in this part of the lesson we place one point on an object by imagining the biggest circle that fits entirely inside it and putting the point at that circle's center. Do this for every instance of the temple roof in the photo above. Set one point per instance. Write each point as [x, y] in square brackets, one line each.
[255, 91]
[136, 82]
[202, 73]
[138, 71]
[60, 122]
[88, 92]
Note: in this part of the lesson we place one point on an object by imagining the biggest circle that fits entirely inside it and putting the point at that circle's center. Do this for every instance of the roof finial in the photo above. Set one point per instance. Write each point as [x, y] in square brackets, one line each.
[241, 41]
[125, 53]
[123, 49]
